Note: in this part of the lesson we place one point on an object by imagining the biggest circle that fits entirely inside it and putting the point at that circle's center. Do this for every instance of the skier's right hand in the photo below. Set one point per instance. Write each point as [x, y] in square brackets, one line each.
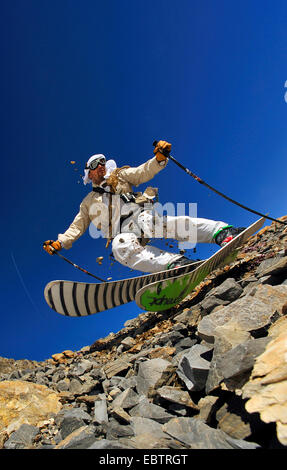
[50, 246]
[162, 150]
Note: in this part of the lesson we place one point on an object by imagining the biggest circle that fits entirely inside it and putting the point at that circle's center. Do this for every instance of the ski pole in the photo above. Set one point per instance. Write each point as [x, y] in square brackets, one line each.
[76, 266]
[199, 180]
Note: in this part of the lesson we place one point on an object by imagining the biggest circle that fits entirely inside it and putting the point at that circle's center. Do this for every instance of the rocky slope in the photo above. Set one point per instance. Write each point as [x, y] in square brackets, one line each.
[208, 374]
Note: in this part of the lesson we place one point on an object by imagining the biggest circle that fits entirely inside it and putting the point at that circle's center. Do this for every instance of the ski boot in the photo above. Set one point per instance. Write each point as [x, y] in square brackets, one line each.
[183, 261]
[226, 234]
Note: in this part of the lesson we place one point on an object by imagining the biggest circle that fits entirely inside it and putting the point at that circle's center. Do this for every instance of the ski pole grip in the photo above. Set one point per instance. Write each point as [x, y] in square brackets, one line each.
[164, 152]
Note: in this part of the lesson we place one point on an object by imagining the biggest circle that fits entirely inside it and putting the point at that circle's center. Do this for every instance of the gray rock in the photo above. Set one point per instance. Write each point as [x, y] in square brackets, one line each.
[116, 367]
[151, 374]
[242, 358]
[130, 382]
[211, 302]
[195, 434]
[127, 399]
[128, 343]
[68, 420]
[253, 311]
[81, 438]
[145, 409]
[271, 266]
[193, 368]
[22, 438]
[175, 395]
[108, 444]
[171, 337]
[229, 290]
[82, 367]
[116, 430]
[100, 410]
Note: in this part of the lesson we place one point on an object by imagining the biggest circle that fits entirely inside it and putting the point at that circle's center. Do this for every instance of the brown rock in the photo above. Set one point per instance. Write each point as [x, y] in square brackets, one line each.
[24, 402]
[267, 388]
[116, 367]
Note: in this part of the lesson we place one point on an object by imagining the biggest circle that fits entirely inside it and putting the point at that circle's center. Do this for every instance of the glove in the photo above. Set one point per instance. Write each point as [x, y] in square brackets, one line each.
[162, 147]
[50, 244]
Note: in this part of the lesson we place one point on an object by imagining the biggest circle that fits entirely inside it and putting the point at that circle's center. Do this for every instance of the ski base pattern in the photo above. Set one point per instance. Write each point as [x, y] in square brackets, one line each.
[152, 292]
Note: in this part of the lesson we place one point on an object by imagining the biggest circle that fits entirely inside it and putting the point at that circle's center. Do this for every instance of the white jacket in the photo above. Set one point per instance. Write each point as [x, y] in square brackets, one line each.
[95, 203]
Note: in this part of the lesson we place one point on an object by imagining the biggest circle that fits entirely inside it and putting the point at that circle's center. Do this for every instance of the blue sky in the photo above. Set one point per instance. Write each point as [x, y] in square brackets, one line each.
[110, 77]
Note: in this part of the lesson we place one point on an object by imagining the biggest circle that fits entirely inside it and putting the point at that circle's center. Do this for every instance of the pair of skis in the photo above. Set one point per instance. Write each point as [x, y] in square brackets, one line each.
[152, 292]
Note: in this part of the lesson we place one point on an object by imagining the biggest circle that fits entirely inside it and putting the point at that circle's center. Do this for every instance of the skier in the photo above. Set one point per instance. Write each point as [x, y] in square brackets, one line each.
[132, 220]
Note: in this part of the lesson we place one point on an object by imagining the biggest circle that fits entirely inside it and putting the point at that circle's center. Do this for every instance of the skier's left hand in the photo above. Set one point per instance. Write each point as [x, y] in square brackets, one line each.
[50, 246]
[162, 147]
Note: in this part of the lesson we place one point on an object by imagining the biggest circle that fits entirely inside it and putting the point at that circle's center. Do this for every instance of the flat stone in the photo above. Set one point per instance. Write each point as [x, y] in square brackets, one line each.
[174, 395]
[116, 367]
[108, 444]
[22, 438]
[68, 420]
[272, 266]
[81, 438]
[197, 435]
[145, 409]
[252, 312]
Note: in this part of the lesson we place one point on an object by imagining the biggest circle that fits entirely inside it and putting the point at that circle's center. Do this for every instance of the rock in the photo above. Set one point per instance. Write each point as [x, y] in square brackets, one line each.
[115, 430]
[229, 290]
[267, 388]
[206, 407]
[145, 409]
[180, 397]
[197, 435]
[193, 368]
[81, 438]
[100, 410]
[82, 367]
[211, 303]
[148, 434]
[151, 375]
[128, 343]
[26, 403]
[116, 367]
[226, 337]
[126, 399]
[108, 444]
[68, 420]
[242, 358]
[121, 415]
[232, 423]
[253, 311]
[272, 266]
[22, 438]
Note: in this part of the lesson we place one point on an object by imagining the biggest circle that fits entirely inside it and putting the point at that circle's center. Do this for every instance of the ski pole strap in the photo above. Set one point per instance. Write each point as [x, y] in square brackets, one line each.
[78, 267]
[199, 180]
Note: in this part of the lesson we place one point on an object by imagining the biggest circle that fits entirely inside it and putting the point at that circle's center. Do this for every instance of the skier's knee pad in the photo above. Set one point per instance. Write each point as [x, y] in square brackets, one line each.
[125, 246]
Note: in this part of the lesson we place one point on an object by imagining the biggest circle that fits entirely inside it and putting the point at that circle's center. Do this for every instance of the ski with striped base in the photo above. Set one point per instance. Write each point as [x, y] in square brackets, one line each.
[152, 292]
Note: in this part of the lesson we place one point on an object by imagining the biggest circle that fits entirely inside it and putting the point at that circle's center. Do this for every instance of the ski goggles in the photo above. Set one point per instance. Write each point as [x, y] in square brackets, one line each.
[95, 163]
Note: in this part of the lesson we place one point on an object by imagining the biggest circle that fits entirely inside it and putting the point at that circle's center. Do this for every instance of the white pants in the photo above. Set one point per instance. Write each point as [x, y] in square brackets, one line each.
[128, 251]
